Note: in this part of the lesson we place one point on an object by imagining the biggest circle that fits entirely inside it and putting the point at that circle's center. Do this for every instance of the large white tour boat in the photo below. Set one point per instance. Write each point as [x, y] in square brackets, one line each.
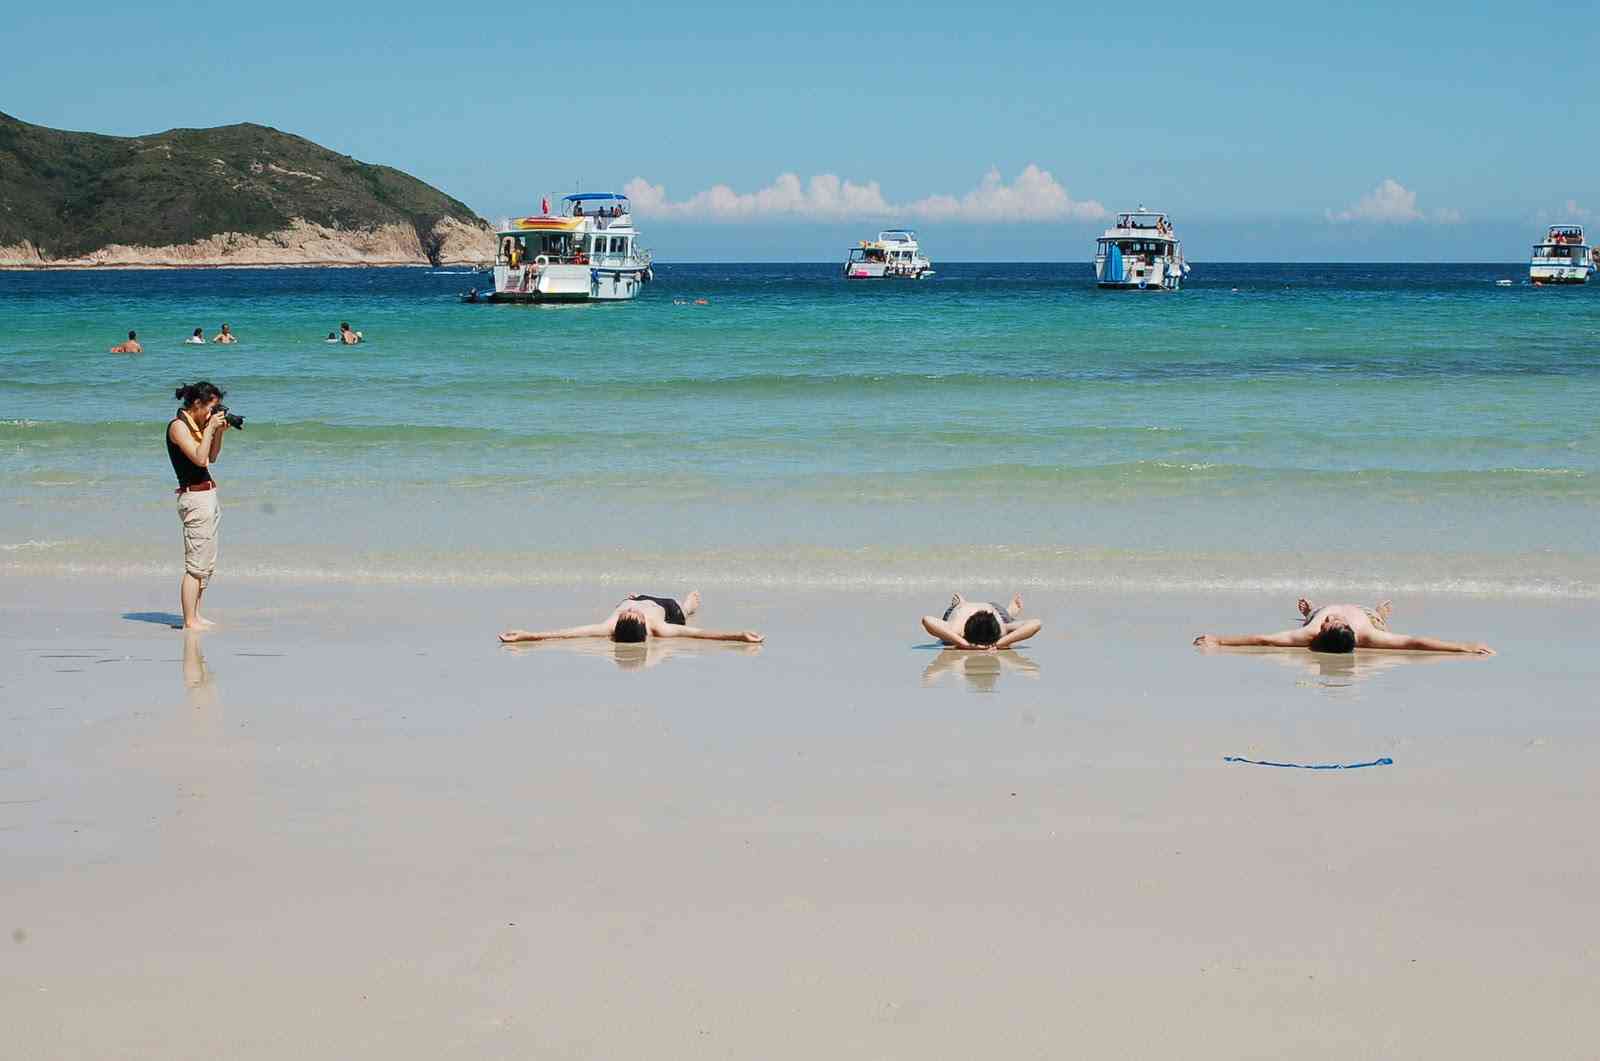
[1140, 253]
[587, 252]
[895, 254]
[1563, 257]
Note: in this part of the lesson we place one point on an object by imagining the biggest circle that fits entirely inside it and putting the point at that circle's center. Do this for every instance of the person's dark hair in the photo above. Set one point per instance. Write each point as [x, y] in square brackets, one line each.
[333, 335]
[1334, 639]
[199, 331]
[132, 334]
[630, 629]
[199, 391]
[983, 628]
[344, 326]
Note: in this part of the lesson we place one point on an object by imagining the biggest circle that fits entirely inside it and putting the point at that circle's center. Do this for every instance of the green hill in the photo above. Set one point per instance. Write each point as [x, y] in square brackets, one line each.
[69, 194]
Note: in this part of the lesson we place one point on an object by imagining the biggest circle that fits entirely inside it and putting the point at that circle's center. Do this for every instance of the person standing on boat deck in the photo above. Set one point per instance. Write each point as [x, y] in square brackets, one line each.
[130, 347]
[981, 626]
[194, 441]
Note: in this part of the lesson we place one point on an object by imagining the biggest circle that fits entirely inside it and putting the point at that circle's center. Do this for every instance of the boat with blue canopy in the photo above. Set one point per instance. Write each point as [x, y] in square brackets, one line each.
[1140, 252]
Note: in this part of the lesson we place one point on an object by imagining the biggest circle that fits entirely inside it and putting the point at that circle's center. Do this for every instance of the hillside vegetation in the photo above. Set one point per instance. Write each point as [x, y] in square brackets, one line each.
[70, 194]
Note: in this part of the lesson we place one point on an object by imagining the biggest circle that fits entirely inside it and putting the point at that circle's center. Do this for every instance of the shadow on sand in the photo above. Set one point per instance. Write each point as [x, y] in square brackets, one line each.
[159, 618]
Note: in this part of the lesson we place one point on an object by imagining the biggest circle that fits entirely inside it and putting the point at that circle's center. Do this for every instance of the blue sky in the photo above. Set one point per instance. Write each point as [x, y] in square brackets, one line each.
[1270, 131]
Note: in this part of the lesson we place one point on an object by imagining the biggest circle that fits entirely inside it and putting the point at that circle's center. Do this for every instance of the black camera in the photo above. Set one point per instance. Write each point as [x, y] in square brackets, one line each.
[234, 420]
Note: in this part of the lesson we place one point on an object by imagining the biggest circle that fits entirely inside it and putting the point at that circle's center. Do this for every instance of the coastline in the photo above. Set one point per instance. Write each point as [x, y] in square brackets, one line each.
[353, 805]
[78, 267]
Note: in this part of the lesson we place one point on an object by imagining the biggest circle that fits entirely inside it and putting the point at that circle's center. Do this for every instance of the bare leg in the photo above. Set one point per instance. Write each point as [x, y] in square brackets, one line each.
[189, 591]
[201, 621]
[1015, 607]
[691, 603]
[956, 601]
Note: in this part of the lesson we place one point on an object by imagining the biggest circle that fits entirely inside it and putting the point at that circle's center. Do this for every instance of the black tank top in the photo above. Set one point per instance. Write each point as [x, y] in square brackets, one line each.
[188, 472]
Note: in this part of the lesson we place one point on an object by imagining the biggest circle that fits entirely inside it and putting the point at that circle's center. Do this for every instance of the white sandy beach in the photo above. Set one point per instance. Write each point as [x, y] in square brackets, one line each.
[349, 824]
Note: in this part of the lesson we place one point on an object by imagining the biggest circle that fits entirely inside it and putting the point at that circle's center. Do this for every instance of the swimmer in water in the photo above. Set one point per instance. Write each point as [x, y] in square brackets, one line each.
[130, 347]
[1343, 628]
[224, 336]
[637, 618]
[981, 626]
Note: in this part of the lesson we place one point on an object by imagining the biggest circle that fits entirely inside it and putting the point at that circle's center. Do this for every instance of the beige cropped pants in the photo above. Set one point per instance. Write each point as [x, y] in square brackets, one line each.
[201, 515]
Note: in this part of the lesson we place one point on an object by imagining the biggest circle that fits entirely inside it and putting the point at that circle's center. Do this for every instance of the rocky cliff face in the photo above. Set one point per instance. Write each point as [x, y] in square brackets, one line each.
[240, 195]
[302, 243]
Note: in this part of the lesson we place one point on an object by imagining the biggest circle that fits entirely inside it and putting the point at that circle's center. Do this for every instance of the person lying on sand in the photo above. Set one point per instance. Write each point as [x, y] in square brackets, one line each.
[130, 347]
[986, 626]
[638, 617]
[1343, 628]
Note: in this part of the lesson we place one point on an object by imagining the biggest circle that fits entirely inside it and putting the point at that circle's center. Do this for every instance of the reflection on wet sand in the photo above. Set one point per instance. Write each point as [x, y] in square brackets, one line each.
[980, 670]
[637, 655]
[198, 680]
[1342, 670]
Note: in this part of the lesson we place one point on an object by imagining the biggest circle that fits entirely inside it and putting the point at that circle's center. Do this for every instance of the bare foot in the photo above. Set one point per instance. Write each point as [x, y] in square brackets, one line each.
[956, 601]
[1015, 607]
[752, 637]
[201, 623]
[513, 636]
[1305, 608]
[1384, 610]
[691, 603]
[1206, 641]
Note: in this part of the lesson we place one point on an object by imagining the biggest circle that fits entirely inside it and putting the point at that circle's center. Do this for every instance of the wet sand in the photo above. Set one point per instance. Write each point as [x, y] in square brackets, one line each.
[349, 824]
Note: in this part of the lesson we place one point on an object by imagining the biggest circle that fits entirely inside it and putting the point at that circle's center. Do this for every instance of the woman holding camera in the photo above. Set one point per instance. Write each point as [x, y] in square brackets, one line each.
[194, 440]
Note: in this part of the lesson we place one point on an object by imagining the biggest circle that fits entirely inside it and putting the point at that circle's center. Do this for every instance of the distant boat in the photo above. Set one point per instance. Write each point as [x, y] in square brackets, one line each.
[1504, 283]
[894, 255]
[587, 252]
[1563, 257]
[1140, 253]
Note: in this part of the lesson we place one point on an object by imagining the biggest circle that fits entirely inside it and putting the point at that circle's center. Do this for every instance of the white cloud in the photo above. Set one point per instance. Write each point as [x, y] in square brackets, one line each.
[1394, 203]
[1034, 195]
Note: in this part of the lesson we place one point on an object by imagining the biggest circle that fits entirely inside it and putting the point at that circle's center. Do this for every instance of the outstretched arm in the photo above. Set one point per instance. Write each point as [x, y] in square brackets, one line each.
[511, 637]
[1016, 632]
[944, 632]
[749, 637]
[1299, 637]
[1407, 642]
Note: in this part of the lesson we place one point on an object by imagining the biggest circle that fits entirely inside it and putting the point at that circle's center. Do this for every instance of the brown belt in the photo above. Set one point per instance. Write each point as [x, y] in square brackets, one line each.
[209, 484]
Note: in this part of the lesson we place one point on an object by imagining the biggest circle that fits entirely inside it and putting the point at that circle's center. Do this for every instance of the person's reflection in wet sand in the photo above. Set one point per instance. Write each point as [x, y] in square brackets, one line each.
[980, 670]
[1341, 670]
[198, 680]
[637, 655]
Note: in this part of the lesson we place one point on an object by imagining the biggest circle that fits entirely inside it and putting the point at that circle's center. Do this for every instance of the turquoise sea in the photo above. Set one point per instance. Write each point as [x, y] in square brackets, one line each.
[1370, 428]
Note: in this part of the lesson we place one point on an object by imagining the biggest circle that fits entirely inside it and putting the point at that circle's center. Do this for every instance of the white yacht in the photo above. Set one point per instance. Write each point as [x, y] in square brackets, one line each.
[588, 251]
[1140, 252]
[1563, 257]
[895, 254]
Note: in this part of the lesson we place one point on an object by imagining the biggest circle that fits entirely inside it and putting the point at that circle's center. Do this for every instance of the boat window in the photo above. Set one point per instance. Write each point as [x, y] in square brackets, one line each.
[619, 245]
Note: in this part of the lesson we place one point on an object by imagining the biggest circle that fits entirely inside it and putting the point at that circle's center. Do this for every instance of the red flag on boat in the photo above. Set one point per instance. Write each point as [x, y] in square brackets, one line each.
[544, 206]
